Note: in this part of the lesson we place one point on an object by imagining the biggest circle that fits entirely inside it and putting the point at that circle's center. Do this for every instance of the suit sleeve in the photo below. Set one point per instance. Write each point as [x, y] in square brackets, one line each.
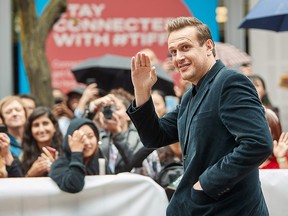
[154, 132]
[243, 115]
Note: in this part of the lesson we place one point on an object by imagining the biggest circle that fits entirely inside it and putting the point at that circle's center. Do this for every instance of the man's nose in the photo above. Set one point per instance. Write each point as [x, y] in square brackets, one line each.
[179, 56]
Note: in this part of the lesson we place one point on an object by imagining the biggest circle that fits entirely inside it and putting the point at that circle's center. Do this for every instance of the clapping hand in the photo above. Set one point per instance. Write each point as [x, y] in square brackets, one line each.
[281, 146]
[5, 152]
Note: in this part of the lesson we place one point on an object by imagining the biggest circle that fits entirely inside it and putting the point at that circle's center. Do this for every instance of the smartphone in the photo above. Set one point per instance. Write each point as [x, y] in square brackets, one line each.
[108, 111]
[51, 150]
[3, 128]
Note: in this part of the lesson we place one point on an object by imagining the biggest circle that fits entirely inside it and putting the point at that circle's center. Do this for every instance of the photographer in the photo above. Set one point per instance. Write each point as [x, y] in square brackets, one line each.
[119, 139]
[61, 110]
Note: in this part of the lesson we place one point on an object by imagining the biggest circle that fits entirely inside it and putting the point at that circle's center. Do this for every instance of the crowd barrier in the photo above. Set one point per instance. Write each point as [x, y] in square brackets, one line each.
[114, 195]
[275, 188]
[111, 195]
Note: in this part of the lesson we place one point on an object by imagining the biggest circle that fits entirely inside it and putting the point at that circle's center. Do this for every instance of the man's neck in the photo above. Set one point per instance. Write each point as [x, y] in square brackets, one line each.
[17, 133]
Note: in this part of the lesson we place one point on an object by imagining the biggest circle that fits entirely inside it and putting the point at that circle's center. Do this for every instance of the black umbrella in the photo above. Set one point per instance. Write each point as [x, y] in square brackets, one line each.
[112, 71]
[269, 15]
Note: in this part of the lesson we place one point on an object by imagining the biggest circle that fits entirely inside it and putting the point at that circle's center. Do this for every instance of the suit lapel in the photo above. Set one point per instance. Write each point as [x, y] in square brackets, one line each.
[192, 108]
[195, 101]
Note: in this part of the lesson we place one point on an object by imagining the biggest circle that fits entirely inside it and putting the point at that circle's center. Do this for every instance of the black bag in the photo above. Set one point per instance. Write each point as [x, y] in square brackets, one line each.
[169, 173]
[169, 177]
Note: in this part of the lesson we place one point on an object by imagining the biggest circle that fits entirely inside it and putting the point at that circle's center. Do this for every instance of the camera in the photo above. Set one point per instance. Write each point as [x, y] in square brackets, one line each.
[58, 100]
[108, 111]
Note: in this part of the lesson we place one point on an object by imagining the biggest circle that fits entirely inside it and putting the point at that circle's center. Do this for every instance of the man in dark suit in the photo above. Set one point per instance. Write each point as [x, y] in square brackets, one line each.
[220, 124]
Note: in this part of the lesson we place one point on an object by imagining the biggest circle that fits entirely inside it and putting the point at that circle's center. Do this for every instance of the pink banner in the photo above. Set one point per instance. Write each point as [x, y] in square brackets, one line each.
[92, 28]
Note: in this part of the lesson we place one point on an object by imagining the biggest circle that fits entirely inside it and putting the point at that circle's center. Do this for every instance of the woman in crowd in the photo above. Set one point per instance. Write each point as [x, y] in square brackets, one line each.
[82, 157]
[279, 158]
[14, 116]
[260, 86]
[42, 142]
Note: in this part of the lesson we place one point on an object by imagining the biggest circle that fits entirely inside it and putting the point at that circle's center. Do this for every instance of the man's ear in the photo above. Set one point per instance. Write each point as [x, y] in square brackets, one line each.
[210, 47]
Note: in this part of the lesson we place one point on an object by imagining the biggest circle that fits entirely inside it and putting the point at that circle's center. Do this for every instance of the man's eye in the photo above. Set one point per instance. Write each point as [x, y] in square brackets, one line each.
[173, 52]
[186, 48]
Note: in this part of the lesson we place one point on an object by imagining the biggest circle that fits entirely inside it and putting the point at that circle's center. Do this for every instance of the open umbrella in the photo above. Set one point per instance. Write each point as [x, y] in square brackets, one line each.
[269, 15]
[231, 55]
[112, 71]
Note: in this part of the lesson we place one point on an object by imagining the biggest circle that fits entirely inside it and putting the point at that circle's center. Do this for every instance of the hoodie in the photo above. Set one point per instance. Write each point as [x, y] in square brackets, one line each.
[69, 170]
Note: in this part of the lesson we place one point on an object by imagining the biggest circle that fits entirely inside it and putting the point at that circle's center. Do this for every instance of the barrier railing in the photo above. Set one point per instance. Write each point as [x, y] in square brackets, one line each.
[122, 195]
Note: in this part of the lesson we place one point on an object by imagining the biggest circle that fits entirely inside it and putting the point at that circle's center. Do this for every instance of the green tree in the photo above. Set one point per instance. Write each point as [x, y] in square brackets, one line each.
[33, 34]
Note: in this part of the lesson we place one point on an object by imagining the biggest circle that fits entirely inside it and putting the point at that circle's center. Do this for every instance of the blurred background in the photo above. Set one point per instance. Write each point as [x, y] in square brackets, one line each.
[89, 29]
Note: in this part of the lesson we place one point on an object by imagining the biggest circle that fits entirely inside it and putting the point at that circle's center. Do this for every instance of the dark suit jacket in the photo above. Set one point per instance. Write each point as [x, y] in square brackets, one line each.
[224, 137]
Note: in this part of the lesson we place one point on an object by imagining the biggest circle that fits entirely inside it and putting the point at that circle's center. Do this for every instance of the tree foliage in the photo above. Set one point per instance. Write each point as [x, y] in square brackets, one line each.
[34, 31]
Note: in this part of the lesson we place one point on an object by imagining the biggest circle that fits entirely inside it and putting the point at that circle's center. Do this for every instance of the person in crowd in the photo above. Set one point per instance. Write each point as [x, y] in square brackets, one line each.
[158, 98]
[168, 65]
[279, 158]
[260, 86]
[220, 124]
[90, 93]
[61, 110]
[73, 97]
[82, 156]
[119, 138]
[3, 171]
[152, 55]
[10, 166]
[42, 142]
[29, 102]
[246, 69]
[14, 116]
[180, 85]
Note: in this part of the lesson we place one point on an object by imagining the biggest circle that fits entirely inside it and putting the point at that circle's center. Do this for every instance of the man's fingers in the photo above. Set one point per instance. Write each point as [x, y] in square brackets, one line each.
[138, 60]
[147, 61]
[133, 63]
[153, 74]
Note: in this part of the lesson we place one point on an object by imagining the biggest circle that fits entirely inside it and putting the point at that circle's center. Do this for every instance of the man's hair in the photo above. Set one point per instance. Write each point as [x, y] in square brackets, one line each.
[28, 96]
[203, 30]
[8, 100]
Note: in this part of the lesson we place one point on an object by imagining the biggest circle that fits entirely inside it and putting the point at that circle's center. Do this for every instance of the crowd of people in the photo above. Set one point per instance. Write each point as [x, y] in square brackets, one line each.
[89, 131]
[86, 132]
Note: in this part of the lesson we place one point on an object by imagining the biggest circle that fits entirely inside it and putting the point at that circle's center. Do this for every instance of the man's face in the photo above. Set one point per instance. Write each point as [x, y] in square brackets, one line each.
[29, 105]
[90, 141]
[189, 58]
[14, 114]
[260, 88]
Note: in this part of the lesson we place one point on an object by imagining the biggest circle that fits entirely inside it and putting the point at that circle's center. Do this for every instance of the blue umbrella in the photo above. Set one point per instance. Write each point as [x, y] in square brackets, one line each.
[269, 15]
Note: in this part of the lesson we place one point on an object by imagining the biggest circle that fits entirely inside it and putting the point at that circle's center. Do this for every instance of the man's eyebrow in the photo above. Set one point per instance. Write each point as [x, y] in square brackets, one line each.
[180, 44]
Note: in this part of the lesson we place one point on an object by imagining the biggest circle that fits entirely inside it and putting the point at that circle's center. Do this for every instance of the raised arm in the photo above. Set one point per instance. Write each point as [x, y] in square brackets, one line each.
[143, 77]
